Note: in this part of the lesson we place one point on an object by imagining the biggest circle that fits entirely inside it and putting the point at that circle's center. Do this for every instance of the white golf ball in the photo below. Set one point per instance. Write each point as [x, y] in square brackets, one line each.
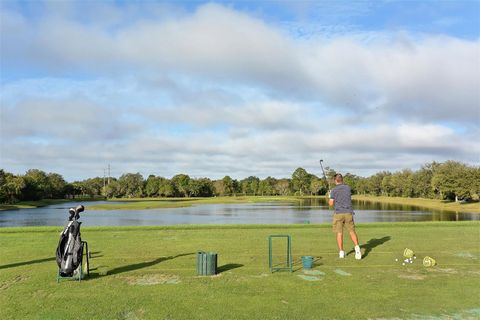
[396, 259]
[411, 261]
[414, 257]
[406, 260]
[403, 264]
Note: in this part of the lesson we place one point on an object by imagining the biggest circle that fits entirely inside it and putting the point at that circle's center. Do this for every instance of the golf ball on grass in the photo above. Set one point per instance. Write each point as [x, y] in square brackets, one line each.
[396, 259]
[403, 263]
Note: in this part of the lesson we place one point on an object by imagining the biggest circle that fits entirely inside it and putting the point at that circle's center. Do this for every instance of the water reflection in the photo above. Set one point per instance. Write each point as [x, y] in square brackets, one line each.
[305, 211]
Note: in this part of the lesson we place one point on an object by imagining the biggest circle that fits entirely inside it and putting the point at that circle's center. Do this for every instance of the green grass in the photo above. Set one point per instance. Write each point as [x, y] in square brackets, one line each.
[151, 203]
[441, 205]
[31, 204]
[149, 273]
[38, 203]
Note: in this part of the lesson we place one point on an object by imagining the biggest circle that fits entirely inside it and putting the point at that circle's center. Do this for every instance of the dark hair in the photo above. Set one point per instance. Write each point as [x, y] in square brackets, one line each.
[338, 177]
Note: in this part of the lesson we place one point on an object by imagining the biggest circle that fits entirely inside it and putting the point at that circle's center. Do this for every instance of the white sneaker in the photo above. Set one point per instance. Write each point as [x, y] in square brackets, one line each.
[341, 254]
[358, 253]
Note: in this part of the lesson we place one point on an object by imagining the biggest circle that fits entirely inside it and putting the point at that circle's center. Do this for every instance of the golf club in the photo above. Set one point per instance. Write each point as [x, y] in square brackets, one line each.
[324, 176]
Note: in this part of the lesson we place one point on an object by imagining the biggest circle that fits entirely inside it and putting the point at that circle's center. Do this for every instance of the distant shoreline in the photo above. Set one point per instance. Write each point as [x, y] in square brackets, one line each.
[442, 205]
[151, 203]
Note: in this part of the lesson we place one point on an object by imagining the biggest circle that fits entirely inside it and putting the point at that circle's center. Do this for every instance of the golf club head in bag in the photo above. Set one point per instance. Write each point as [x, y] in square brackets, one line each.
[78, 209]
[71, 211]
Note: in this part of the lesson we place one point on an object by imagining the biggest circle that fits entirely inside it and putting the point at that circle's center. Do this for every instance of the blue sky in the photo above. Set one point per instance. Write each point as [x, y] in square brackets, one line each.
[239, 88]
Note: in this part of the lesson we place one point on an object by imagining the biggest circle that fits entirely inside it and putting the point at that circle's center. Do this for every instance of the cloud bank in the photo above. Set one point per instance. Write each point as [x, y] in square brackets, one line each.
[217, 91]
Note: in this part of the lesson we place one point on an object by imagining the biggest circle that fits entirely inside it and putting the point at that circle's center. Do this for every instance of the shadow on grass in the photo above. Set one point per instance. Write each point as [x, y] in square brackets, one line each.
[136, 266]
[372, 243]
[26, 263]
[228, 266]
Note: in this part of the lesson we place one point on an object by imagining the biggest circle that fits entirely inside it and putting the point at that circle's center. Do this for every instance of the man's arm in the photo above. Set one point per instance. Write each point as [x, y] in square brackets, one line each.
[331, 202]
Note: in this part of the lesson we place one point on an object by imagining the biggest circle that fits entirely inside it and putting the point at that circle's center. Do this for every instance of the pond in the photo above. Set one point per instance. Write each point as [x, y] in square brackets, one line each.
[305, 211]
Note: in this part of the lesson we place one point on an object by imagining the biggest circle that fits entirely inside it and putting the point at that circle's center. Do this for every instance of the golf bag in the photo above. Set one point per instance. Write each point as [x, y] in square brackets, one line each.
[70, 246]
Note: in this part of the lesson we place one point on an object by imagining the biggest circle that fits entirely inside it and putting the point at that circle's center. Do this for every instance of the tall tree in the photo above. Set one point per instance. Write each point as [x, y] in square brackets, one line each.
[249, 185]
[352, 180]
[316, 185]
[11, 187]
[422, 181]
[387, 187]
[114, 189]
[374, 183]
[152, 186]
[36, 185]
[56, 186]
[219, 187]
[453, 180]
[202, 187]
[266, 187]
[228, 185]
[131, 185]
[166, 188]
[182, 183]
[282, 187]
[301, 181]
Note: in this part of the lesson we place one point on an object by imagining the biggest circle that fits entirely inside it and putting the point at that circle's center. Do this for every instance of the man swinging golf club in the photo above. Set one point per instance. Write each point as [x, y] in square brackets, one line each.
[341, 200]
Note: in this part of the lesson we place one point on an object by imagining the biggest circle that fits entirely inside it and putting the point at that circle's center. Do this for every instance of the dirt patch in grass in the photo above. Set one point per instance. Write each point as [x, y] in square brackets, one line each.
[417, 277]
[263, 275]
[412, 274]
[41, 294]
[131, 315]
[474, 272]
[309, 278]
[152, 279]
[443, 270]
[314, 272]
[7, 284]
[469, 314]
[342, 273]
[466, 255]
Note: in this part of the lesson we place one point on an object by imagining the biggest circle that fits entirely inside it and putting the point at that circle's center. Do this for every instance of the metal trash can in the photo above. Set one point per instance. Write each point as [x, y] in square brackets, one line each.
[206, 263]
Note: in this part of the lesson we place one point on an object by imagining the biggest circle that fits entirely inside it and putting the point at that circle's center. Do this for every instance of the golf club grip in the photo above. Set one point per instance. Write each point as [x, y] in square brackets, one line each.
[79, 208]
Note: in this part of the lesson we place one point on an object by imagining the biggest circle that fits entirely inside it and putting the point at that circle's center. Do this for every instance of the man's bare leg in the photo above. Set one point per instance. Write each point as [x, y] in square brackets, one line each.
[358, 253]
[340, 245]
[354, 237]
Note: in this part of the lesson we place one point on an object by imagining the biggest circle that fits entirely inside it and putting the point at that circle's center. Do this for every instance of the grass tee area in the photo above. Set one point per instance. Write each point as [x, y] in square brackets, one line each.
[150, 273]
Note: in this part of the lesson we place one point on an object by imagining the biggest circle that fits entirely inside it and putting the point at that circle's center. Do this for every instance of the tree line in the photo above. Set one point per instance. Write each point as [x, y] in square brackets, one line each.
[450, 180]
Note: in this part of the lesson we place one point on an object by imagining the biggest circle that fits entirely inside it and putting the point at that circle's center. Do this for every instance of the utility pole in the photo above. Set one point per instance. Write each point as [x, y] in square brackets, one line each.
[109, 173]
[104, 181]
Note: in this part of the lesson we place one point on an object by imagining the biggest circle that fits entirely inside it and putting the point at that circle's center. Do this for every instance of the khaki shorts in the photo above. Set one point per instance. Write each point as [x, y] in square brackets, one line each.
[343, 219]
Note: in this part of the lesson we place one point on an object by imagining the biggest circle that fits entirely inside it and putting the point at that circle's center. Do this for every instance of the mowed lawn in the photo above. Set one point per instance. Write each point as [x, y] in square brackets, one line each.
[150, 273]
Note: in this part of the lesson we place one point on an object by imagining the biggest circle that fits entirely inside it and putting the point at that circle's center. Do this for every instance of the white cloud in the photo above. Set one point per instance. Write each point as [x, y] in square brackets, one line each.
[422, 77]
[220, 92]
